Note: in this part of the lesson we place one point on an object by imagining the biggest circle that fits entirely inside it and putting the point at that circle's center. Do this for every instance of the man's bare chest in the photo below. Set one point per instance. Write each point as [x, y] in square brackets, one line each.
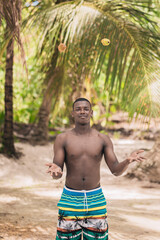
[78, 146]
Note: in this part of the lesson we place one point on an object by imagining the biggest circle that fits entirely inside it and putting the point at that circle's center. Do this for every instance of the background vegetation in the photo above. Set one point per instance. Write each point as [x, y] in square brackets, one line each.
[123, 75]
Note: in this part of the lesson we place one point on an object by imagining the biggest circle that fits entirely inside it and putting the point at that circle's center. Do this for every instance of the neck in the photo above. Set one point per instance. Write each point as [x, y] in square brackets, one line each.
[82, 129]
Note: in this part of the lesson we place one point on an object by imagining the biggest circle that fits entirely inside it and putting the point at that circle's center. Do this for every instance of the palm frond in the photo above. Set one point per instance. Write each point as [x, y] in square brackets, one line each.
[10, 11]
[133, 57]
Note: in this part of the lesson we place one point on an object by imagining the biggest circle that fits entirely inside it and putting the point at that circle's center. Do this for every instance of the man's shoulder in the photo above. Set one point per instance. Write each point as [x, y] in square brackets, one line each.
[102, 135]
[63, 135]
[105, 138]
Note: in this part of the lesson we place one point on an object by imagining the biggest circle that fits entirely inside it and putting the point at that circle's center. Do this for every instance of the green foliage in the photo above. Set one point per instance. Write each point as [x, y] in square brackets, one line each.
[132, 57]
[1, 89]
[54, 133]
[1, 118]
[27, 97]
[124, 74]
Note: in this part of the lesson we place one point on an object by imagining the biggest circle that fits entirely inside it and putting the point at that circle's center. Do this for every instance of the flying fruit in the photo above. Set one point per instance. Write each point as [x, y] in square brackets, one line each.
[62, 47]
[105, 41]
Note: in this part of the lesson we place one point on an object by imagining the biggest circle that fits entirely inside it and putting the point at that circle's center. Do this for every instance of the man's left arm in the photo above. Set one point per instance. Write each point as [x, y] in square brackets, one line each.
[116, 167]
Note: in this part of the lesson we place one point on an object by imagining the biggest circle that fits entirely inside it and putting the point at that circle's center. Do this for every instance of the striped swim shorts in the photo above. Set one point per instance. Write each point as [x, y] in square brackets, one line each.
[82, 212]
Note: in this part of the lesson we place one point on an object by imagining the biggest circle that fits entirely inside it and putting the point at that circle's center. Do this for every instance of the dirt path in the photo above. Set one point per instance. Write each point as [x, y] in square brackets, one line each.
[28, 198]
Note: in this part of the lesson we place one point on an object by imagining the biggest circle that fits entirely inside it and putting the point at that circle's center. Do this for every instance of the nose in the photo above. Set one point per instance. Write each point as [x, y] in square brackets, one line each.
[82, 110]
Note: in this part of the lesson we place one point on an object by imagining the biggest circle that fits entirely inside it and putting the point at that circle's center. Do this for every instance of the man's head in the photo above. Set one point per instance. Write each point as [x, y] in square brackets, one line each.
[80, 100]
[82, 110]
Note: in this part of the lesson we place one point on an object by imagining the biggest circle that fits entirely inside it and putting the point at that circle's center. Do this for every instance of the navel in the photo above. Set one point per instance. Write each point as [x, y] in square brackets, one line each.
[83, 179]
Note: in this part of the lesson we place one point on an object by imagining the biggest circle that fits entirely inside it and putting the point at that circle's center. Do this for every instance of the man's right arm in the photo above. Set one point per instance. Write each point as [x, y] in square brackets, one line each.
[56, 168]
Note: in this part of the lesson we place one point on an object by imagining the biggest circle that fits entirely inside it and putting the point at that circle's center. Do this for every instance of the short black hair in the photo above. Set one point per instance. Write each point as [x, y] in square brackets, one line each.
[81, 99]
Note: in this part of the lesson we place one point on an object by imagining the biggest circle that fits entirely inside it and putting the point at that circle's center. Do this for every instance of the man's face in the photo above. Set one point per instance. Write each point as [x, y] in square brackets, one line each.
[82, 112]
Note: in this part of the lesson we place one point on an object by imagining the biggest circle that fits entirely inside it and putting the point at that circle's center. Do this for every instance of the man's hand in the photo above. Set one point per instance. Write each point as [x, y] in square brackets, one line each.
[54, 170]
[134, 156]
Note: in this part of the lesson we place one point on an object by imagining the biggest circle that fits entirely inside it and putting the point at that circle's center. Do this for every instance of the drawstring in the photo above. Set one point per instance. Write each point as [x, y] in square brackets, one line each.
[66, 189]
[85, 200]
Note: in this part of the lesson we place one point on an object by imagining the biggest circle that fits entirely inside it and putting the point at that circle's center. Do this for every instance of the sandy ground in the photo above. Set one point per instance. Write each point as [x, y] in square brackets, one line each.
[28, 197]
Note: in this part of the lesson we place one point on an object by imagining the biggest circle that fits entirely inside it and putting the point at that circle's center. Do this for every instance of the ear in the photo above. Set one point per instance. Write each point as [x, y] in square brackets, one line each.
[72, 114]
[91, 113]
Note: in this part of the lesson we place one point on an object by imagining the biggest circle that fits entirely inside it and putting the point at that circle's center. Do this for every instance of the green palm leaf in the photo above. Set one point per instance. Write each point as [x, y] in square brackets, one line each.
[133, 56]
[10, 11]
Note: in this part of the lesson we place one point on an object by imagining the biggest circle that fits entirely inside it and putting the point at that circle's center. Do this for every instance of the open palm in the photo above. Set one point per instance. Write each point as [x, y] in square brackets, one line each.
[135, 156]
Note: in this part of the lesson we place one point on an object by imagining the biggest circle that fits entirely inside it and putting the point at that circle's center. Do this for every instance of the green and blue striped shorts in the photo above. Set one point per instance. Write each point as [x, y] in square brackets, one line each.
[82, 212]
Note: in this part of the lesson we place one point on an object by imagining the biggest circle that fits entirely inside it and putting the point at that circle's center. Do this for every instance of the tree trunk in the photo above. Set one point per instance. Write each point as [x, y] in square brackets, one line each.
[41, 132]
[8, 141]
[53, 90]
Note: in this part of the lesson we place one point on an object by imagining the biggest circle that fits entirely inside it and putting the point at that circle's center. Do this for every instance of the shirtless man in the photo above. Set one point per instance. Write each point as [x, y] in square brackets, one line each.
[82, 205]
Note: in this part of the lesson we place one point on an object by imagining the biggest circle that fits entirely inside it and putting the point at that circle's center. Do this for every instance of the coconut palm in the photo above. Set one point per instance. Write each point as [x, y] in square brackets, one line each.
[54, 75]
[10, 13]
[132, 57]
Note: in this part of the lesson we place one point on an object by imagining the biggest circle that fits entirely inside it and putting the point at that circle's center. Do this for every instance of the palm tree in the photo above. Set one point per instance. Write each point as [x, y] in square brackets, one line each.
[10, 11]
[52, 81]
[132, 56]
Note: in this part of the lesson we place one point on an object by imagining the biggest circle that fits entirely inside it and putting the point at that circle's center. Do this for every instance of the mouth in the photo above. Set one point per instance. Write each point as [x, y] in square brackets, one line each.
[83, 117]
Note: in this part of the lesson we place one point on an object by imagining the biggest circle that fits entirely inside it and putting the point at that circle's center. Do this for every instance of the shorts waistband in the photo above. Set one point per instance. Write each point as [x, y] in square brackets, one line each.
[73, 192]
